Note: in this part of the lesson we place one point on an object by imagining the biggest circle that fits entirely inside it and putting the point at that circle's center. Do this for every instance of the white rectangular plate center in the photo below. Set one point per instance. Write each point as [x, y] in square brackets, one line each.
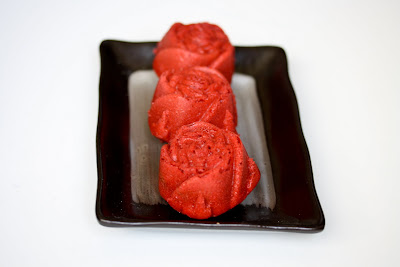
[145, 148]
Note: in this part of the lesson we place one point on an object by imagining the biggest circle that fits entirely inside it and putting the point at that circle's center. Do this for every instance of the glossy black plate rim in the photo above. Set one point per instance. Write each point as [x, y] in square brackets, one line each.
[297, 208]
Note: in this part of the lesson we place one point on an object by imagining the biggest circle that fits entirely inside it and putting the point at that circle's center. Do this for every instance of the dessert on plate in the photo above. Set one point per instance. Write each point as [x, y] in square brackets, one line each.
[200, 44]
[205, 171]
[189, 95]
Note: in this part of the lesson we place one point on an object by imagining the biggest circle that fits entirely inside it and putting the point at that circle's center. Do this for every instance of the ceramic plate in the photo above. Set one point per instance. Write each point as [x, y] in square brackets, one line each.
[296, 206]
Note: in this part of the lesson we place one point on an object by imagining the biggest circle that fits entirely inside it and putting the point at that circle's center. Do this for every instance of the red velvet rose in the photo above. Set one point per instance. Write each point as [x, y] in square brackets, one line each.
[205, 171]
[189, 95]
[201, 44]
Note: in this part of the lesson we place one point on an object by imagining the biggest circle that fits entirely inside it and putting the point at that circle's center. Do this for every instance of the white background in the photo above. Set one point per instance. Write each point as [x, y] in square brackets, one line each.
[343, 63]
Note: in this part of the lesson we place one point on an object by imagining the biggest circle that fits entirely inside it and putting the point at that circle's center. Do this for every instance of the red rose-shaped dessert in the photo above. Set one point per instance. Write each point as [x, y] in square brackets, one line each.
[189, 95]
[205, 171]
[201, 44]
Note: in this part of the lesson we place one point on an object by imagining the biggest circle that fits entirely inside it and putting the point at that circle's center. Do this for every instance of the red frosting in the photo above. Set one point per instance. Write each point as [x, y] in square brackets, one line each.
[205, 171]
[201, 44]
[189, 95]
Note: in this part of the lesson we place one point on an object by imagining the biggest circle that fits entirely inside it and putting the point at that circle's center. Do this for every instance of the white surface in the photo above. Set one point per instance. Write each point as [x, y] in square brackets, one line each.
[145, 148]
[344, 65]
[250, 127]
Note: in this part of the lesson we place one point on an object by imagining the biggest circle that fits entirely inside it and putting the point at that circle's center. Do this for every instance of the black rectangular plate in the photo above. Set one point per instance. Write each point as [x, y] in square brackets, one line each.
[297, 205]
